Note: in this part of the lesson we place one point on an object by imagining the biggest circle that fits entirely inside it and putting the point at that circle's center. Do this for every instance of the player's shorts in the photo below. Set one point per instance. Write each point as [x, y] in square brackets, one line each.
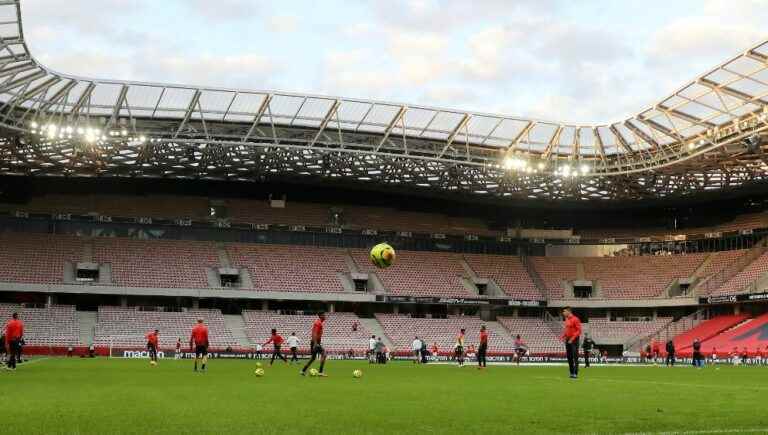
[317, 349]
[151, 347]
[459, 351]
[201, 350]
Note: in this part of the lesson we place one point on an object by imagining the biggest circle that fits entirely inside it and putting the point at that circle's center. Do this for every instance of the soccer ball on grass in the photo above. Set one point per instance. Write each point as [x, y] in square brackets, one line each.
[382, 255]
[313, 372]
[259, 372]
[357, 374]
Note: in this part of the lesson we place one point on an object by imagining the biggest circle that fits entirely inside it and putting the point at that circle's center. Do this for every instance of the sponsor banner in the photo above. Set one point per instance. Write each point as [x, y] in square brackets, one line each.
[731, 299]
[518, 303]
[460, 301]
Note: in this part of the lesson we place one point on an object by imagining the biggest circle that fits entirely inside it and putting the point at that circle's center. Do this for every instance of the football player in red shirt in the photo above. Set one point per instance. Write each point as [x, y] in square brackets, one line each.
[315, 345]
[199, 342]
[14, 333]
[571, 335]
[277, 341]
[482, 349]
[153, 340]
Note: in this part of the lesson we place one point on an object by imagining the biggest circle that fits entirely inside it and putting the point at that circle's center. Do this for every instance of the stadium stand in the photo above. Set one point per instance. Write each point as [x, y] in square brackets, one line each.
[152, 206]
[156, 263]
[750, 333]
[747, 221]
[401, 329]
[605, 331]
[339, 334]
[37, 258]
[536, 333]
[290, 268]
[748, 275]
[419, 273]
[720, 260]
[639, 277]
[618, 277]
[553, 271]
[51, 326]
[128, 326]
[508, 272]
[253, 211]
[707, 329]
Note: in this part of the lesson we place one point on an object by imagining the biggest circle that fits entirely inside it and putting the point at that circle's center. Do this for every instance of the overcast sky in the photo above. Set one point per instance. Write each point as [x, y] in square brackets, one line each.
[571, 61]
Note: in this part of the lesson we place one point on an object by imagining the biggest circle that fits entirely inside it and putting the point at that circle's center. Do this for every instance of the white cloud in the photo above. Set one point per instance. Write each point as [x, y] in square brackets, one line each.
[544, 59]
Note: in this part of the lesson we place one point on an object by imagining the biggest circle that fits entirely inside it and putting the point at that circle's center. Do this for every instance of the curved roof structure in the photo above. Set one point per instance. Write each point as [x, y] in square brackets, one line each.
[706, 135]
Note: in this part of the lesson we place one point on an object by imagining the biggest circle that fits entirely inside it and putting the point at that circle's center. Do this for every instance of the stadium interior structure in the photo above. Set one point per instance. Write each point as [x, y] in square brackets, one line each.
[126, 206]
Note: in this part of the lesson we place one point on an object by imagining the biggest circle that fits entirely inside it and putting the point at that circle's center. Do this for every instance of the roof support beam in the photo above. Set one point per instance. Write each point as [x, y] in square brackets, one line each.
[599, 143]
[398, 116]
[188, 114]
[21, 81]
[455, 132]
[257, 117]
[640, 133]
[620, 139]
[513, 144]
[555, 138]
[84, 98]
[118, 105]
[727, 91]
[326, 120]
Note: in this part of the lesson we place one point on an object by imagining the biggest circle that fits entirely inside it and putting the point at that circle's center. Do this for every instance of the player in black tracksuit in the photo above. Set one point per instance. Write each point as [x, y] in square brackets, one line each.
[587, 346]
[670, 353]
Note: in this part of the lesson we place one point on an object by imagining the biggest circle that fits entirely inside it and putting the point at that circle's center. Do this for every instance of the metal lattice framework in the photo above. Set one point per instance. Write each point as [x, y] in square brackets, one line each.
[707, 135]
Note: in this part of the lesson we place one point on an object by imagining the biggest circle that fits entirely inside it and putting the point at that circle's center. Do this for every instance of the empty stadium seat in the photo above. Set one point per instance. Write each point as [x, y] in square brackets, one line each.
[401, 330]
[338, 332]
[52, 326]
[419, 273]
[127, 327]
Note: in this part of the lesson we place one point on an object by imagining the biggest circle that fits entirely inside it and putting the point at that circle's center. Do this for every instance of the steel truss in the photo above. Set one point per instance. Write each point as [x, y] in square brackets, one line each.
[707, 135]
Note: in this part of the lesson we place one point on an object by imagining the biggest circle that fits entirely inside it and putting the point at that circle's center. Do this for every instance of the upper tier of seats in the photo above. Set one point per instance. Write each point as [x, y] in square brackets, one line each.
[127, 327]
[401, 331]
[254, 212]
[40, 259]
[618, 277]
[740, 222]
[748, 275]
[37, 258]
[52, 326]
[508, 272]
[419, 273]
[156, 263]
[339, 333]
[290, 267]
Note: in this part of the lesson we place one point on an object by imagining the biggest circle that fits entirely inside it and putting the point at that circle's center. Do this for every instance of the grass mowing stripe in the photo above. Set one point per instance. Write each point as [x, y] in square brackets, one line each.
[119, 396]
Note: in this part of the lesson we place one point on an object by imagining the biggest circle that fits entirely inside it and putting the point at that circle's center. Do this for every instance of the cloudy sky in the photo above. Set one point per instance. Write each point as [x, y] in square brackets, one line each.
[573, 61]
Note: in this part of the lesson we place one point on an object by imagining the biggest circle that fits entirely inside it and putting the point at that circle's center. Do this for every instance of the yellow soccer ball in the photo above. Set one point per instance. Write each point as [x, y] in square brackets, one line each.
[259, 372]
[382, 255]
[152, 363]
[313, 372]
[357, 374]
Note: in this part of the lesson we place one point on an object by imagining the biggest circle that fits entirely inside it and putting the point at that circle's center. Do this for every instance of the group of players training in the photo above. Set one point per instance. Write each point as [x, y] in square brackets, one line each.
[198, 342]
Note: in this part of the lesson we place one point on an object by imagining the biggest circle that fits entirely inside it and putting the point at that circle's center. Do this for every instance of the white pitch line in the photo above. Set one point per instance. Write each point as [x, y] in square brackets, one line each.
[704, 431]
[650, 382]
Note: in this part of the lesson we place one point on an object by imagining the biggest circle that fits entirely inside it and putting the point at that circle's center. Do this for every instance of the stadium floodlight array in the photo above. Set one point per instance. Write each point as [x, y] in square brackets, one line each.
[704, 136]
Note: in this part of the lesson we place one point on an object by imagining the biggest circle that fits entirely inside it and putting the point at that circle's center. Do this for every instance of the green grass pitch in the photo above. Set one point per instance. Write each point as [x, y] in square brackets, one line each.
[83, 396]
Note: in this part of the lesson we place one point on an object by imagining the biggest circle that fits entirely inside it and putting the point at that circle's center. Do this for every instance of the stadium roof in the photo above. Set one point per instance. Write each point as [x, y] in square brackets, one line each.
[706, 135]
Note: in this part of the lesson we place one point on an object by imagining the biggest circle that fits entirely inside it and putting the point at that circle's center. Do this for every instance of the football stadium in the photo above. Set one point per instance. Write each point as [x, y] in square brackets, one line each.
[182, 259]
